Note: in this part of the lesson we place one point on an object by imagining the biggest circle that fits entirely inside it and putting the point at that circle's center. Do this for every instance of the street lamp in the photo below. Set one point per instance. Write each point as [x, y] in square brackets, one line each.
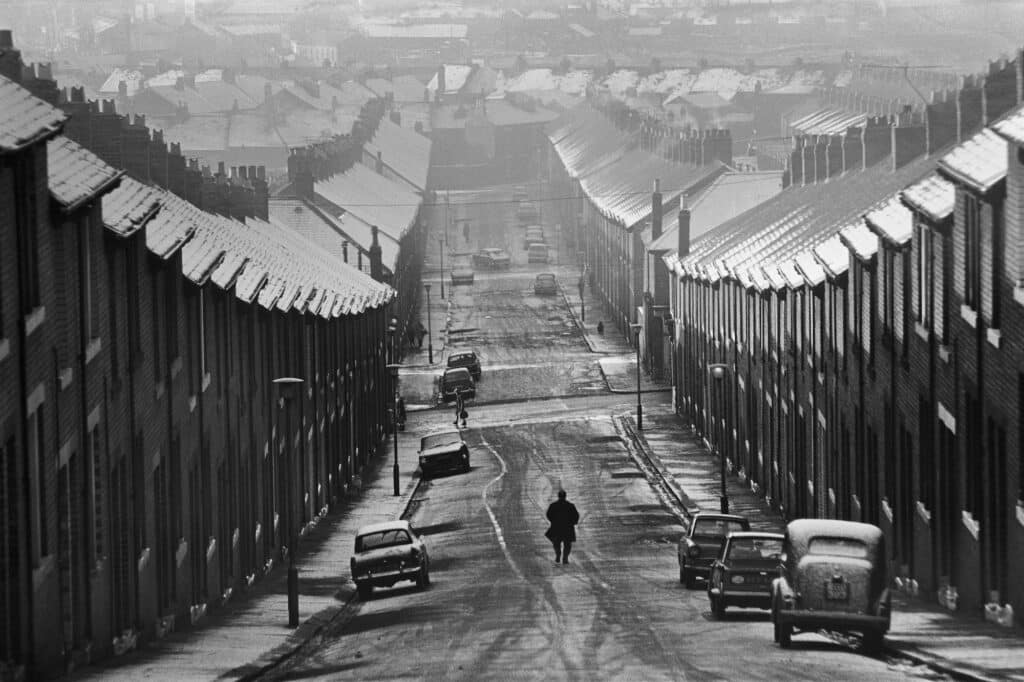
[288, 388]
[392, 330]
[393, 368]
[636, 327]
[718, 373]
[440, 248]
[430, 334]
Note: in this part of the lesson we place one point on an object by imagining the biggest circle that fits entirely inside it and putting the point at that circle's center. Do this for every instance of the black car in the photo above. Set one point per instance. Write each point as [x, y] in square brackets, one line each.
[443, 452]
[492, 259]
[467, 359]
[457, 381]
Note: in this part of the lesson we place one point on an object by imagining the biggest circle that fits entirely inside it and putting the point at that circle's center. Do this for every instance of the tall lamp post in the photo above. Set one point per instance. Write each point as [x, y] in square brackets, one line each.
[430, 334]
[289, 388]
[636, 327]
[440, 248]
[718, 373]
[392, 331]
[393, 369]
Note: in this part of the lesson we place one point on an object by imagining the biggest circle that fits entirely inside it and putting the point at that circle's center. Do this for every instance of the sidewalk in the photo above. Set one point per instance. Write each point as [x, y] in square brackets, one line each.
[250, 633]
[957, 644]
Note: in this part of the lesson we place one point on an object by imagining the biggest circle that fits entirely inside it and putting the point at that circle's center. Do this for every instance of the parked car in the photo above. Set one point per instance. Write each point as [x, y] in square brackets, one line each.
[834, 576]
[386, 553]
[462, 272]
[443, 452]
[545, 284]
[701, 542]
[467, 359]
[537, 253]
[527, 213]
[492, 259]
[743, 572]
[457, 380]
[534, 235]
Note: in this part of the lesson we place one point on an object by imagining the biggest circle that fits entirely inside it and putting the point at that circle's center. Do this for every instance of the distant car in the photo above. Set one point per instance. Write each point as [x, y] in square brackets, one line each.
[833, 576]
[443, 452]
[455, 381]
[537, 253]
[527, 213]
[534, 235]
[492, 259]
[387, 553]
[702, 541]
[743, 572]
[462, 272]
[467, 359]
[545, 285]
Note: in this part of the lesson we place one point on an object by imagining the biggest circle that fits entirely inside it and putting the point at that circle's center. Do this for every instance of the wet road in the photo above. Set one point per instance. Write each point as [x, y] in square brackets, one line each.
[499, 608]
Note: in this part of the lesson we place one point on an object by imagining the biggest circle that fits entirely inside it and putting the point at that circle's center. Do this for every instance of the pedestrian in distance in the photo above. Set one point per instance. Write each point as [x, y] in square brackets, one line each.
[562, 533]
[420, 333]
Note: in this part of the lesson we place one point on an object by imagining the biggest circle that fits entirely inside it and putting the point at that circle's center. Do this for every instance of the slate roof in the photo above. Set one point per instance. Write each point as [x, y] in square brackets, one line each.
[827, 122]
[130, 206]
[979, 162]
[585, 140]
[172, 226]
[403, 150]
[892, 221]
[301, 127]
[24, 118]
[933, 196]
[833, 256]
[372, 198]
[1012, 126]
[200, 133]
[319, 227]
[76, 175]
[206, 97]
[860, 240]
[797, 220]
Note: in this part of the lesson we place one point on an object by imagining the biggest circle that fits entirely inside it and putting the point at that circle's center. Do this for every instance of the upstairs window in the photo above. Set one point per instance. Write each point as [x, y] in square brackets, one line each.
[972, 251]
[924, 275]
[26, 219]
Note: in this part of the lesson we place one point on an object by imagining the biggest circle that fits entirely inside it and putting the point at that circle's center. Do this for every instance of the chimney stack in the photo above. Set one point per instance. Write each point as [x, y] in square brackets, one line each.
[656, 210]
[10, 59]
[376, 257]
[683, 246]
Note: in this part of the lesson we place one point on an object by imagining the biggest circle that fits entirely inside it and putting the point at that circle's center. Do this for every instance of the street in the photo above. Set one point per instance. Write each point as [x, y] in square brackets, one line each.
[498, 606]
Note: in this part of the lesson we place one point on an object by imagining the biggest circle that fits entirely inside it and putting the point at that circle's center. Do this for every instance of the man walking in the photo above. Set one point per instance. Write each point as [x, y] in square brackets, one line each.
[562, 533]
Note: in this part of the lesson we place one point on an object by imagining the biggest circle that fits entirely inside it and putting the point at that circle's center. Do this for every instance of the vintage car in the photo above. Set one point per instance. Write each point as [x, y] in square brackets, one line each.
[701, 542]
[462, 272]
[534, 235]
[833, 575]
[467, 359]
[386, 553]
[492, 259]
[455, 381]
[743, 572]
[443, 452]
[545, 284]
[537, 253]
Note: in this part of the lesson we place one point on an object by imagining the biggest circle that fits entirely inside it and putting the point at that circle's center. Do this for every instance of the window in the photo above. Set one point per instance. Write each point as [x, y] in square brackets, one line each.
[972, 250]
[888, 262]
[38, 502]
[171, 312]
[158, 322]
[112, 318]
[203, 368]
[90, 293]
[998, 259]
[924, 272]
[906, 277]
[131, 276]
[26, 219]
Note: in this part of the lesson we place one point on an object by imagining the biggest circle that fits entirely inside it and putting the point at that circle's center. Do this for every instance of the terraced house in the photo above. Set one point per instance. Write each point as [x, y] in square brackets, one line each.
[870, 325]
[145, 455]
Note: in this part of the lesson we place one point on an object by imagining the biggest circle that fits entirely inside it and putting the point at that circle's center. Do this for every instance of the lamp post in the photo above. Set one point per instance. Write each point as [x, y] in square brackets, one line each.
[430, 340]
[393, 368]
[392, 330]
[289, 387]
[718, 373]
[440, 248]
[636, 327]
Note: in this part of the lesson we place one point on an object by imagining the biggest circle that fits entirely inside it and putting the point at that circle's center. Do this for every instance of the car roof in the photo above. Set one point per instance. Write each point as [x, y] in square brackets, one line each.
[538, 245]
[383, 526]
[756, 534]
[546, 275]
[717, 515]
[461, 354]
[456, 370]
[802, 530]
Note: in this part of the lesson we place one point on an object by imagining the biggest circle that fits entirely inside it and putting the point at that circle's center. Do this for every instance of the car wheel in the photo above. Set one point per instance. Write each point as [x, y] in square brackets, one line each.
[689, 579]
[872, 642]
[365, 590]
[784, 635]
[423, 579]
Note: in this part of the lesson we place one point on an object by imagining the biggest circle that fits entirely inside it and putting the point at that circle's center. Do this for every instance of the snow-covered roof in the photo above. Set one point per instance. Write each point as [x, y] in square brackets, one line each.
[862, 241]
[892, 221]
[933, 196]
[979, 162]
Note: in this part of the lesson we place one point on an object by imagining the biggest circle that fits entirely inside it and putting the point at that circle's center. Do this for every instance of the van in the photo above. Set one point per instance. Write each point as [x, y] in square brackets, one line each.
[537, 253]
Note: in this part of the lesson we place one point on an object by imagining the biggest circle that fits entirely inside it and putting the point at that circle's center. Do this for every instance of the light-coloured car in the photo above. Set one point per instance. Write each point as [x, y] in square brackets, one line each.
[462, 272]
[743, 572]
[833, 576]
[492, 258]
[387, 553]
[700, 544]
[537, 253]
[445, 451]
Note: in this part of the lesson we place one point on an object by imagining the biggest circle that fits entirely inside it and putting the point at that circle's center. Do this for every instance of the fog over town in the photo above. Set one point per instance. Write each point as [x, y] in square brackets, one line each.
[586, 340]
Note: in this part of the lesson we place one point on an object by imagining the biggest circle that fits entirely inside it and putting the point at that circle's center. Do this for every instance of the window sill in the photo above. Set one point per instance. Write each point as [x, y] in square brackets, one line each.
[972, 526]
[922, 332]
[1018, 294]
[34, 319]
[923, 512]
[994, 337]
[93, 349]
[41, 572]
[143, 560]
[159, 390]
[175, 368]
[192, 402]
[206, 382]
[969, 315]
[945, 353]
[5, 349]
[65, 377]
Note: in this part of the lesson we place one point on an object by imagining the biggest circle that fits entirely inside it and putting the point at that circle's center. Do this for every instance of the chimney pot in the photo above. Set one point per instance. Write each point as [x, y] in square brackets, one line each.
[6, 39]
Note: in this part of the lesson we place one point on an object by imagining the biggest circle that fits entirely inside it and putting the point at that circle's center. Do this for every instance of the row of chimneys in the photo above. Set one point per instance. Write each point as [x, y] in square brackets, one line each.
[661, 277]
[697, 147]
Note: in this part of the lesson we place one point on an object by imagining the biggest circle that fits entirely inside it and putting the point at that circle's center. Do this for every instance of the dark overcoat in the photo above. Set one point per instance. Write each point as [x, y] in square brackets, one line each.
[563, 517]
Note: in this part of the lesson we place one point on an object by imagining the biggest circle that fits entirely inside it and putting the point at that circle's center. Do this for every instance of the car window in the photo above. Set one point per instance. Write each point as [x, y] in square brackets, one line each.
[386, 538]
[755, 548]
[439, 439]
[845, 547]
[716, 528]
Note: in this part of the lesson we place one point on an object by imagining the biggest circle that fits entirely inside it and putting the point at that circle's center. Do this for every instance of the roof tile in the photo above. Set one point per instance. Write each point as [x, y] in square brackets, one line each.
[892, 221]
[933, 195]
[76, 174]
[130, 206]
[862, 241]
[1012, 126]
[979, 162]
[833, 256]
[24, 117]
